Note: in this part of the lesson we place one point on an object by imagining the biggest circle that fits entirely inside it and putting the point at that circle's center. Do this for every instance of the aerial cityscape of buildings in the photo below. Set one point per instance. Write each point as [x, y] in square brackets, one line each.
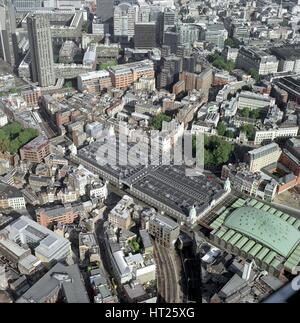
[149, 151]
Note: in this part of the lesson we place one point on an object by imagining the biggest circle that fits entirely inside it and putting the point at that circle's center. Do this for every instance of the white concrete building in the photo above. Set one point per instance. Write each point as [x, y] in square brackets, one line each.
[270, 135]
[48, 246]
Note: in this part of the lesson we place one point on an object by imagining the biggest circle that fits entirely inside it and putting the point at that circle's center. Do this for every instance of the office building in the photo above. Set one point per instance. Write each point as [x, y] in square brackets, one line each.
[263, 156]
[240, 31]
[27, 5]
[230, 53]
[291, 86]
[121, 269]
[253, 58]
[250, 183]
[178, 87]
[189, 64]
[8, 37]
[289, 58]
[172, 39]
[57, 214]
[216, 34]
[135, 293]
[63, 4]
[252, 101]
[105, 10]
[145, 35]
[99, 28]
[61, 284]
[40, 41]
[11, 197]
[204, 81]
[36, 150]
[94, 129]
[171, 69]
[146, 240]
[143, 271]
[88, 247]
[269, 135]
[144, 12]
[189, 80]
[98, 191]
[164, 230]
[48, 246]
[94, 82]
[188, 34]
[291, 156]
[120, 215]
[12, 251]
[124, 21]
[169, 19]
[125, 75]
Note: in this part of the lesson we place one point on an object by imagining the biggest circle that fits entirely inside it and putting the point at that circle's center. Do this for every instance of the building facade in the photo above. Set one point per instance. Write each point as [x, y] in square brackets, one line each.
[40, 42]
[252, 58]
[124, 21]
[164, 230]
[263, 156]
[36, 150]
[269, 135]
[145, 35]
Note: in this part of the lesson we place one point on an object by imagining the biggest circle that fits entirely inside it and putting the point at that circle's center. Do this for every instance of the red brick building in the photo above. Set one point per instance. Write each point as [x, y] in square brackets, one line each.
[60, 214]
[36, 150]
[291, 162]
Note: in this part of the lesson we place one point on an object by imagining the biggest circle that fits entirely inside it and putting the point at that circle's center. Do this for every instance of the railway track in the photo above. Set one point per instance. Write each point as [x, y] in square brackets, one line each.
[166, 276]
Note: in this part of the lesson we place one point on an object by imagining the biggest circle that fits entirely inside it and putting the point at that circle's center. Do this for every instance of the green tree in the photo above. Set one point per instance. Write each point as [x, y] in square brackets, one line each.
[12, 129]
[245, 113]
[249, 129]
[254, 74]
[13, 137]
[246, 88]
[68, 85]
[157, 121]
[253, 114]
[104, 66]
[221, 128]
[217, 151]
[230, 134]
[4, 145]
[219, 61]
[231, 42]
[85, 27]
[256, 114]
[135, 245]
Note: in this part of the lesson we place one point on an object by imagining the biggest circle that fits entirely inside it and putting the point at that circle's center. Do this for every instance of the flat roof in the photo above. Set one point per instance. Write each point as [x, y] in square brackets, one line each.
[94, 74]
[165, 221]
[291, 52]
[8, 191]
[262, 149]
[63, 277]
[36, 143]
[13, 247]
[145, 238]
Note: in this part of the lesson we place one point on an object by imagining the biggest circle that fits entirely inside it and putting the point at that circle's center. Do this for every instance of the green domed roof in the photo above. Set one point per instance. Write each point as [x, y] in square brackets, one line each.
[265, 228]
